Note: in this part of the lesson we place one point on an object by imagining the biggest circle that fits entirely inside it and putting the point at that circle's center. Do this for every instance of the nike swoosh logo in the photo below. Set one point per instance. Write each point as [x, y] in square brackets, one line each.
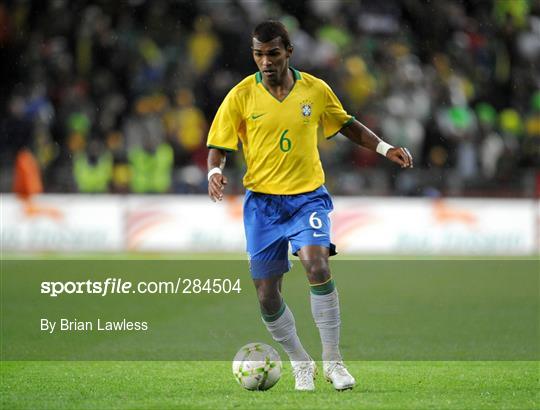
[254, 116]
[317, 235]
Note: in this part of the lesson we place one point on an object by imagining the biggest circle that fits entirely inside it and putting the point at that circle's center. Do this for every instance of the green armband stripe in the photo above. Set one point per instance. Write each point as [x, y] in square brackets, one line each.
[222, 148]
[324, 288]
[275, 316]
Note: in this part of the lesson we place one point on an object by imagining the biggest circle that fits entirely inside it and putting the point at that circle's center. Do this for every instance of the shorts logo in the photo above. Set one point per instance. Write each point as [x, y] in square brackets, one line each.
[318, 235]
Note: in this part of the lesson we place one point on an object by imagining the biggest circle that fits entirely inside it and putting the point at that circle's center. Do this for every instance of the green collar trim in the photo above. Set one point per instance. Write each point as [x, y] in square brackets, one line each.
[296, 73]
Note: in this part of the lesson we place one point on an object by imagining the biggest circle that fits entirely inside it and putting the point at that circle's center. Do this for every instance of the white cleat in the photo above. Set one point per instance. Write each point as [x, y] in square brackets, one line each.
[337, 374]
[304, 375]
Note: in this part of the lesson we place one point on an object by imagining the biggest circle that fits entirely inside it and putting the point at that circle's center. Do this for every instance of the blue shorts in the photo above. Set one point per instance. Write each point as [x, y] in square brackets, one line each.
[272, 221]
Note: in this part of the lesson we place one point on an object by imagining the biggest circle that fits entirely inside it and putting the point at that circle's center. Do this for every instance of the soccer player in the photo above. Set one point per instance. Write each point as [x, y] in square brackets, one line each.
[276, 114]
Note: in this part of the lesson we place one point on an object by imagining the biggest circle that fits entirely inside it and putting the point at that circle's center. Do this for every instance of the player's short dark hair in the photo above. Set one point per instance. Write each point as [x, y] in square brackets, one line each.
[269, 30]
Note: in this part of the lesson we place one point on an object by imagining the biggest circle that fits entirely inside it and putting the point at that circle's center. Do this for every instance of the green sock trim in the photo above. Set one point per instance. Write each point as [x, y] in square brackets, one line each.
[275, 316]
[323, 288]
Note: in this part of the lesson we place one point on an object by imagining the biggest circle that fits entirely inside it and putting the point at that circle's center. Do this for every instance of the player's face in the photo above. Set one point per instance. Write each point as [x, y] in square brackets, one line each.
[272, 59]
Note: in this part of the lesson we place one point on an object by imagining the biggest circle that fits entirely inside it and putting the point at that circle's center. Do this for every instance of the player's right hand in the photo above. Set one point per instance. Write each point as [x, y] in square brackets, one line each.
[216, 185]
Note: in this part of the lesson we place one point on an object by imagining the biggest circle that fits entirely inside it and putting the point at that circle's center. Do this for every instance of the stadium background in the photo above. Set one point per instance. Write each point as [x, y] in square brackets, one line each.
[116, 98]
[455, 81]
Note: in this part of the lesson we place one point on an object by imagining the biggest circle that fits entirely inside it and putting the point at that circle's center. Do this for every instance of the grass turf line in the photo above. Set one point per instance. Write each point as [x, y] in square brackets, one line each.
[168, 385]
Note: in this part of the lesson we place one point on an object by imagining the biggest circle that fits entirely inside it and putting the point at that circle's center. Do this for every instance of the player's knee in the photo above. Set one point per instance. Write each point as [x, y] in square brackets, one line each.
[267, 295]
[267, 300]
[318, 272]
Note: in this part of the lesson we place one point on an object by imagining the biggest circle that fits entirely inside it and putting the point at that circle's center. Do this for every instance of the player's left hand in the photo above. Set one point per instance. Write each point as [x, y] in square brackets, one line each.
[400, 156]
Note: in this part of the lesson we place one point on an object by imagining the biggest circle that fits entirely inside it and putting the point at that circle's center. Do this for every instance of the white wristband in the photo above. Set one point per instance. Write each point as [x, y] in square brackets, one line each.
[383, 147]
[216, 170]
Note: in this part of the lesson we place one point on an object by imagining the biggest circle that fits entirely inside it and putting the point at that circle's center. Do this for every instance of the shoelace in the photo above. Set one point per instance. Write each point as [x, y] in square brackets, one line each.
[339, 368]
[303, 373]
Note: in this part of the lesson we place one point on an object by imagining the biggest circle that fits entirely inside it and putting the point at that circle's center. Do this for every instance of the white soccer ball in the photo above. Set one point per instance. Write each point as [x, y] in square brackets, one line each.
[257, 366]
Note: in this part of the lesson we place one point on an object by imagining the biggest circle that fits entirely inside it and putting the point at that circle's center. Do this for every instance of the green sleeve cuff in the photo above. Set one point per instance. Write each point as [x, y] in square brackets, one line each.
[221, 148]
[345, 124]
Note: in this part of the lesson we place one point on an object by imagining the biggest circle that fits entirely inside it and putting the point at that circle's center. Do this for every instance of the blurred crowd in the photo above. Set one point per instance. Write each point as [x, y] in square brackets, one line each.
[118, 96]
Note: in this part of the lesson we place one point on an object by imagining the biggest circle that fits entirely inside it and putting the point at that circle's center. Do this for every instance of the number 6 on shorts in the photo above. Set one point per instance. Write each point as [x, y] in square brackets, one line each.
[315, 222]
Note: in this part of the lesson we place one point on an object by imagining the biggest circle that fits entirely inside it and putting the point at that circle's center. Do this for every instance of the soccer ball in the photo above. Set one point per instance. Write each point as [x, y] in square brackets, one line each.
[257, 366]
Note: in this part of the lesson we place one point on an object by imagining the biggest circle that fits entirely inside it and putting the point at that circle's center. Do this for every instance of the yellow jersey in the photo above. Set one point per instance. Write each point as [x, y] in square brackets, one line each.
[279, 138]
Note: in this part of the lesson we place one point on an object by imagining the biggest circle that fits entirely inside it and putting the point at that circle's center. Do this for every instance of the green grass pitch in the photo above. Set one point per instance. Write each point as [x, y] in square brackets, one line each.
[386, 315]
[204, 385]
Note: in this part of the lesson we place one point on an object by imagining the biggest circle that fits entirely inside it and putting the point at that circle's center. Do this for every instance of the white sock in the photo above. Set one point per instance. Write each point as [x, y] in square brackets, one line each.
[325, 310]
[283, 330]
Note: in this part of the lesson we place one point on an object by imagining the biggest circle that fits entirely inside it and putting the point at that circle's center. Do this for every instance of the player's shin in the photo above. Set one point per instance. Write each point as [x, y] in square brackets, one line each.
[282, 327]
[325, 310]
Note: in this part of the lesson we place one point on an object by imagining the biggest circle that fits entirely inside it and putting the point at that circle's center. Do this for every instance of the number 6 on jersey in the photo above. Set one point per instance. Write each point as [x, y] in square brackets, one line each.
[284, 143]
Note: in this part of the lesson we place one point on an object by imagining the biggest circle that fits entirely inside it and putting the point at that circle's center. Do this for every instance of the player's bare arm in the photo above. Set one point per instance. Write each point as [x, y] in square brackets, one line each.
[217, 181]
[363, 136]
